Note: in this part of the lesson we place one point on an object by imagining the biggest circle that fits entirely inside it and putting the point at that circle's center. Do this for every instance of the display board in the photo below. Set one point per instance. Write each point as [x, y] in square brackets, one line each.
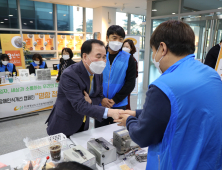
[61, 42]
[70, 42]
[38, 42]
[136, 41]
[12, 46]
[78, 42]
[26, 97]
[74, 42]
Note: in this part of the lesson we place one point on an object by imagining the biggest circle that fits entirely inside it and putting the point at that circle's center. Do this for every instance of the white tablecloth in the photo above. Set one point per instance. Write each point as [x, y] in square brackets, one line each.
[107, 133]
[26, 97]
[16, 158]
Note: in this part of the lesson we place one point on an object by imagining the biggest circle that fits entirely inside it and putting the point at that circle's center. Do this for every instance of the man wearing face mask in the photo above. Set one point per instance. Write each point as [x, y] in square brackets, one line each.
[119, 75]
[37, 63]
[67, 55]
[80, 92]
[181, 118]
[6, 66]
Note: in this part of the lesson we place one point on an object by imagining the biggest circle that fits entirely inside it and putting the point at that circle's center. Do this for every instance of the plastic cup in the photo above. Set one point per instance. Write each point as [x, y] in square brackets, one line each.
[55, 151]
[10, 79]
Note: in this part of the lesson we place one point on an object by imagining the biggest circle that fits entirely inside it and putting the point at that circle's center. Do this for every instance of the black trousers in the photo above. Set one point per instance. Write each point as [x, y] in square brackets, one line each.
[109, 120]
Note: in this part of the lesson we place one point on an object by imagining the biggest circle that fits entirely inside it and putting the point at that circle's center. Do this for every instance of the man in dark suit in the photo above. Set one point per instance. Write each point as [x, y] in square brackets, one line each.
[80, 92]
[212, 55]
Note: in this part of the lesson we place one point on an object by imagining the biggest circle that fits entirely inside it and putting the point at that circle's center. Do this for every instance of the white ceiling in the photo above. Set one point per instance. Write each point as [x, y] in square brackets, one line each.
[202, 4]
[130, 5]
[118, 4]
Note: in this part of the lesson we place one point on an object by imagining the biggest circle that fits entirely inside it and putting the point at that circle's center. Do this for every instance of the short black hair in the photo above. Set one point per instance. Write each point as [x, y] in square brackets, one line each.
[220, 41]
[5, 56]
[116, 29]
[69, 51]
[71, 166]
[87, 46]
[177, 35]
[39, 57]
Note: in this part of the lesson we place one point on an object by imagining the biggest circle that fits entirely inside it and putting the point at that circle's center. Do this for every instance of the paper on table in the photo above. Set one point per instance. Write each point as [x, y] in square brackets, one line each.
[24, 75]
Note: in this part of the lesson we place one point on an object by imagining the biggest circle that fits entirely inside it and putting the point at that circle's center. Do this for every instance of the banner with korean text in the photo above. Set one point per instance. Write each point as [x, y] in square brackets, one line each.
[218, 67]
[26, 97]
[12, 45]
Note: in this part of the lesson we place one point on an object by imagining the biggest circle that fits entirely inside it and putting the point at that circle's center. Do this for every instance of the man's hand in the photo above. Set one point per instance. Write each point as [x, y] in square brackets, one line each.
[57, 81]
[114, 113]
[105, 103]
[37, 67]
[122, 119]
[111, 101]
[129, 112]
[87, 98]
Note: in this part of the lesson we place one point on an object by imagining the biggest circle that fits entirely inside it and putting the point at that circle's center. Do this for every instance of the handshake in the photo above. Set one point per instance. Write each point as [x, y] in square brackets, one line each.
[120, 116]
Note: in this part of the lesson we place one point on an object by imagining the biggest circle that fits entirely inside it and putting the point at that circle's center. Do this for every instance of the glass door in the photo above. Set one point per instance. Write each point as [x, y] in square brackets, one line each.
[208, 33]
[218, 31]
[202, 31]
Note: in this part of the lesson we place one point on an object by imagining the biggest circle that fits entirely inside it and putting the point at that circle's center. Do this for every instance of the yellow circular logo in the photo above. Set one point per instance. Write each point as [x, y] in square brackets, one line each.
[133, 39]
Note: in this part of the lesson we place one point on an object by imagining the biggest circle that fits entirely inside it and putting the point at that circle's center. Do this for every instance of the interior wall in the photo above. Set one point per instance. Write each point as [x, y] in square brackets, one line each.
[103, 18]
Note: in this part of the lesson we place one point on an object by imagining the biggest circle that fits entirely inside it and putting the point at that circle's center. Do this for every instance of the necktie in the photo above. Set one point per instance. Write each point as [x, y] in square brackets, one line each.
[90, 78]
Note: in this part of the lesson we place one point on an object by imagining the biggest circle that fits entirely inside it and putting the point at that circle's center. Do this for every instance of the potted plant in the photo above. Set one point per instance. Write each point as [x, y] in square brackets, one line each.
[26, 52]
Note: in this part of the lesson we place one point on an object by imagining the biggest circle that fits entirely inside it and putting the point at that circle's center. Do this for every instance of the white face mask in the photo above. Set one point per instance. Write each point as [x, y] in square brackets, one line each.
[126, 49]
[157, 64]
[65, 57]
[37, 62]
[5, 62]
[115, 45]
[97, 67]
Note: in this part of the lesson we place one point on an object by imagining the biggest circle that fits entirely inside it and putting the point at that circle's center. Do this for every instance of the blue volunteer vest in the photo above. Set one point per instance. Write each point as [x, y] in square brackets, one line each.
[193, 137]
[58, 65]
[114, 76]
[41, 66]
[9, 67]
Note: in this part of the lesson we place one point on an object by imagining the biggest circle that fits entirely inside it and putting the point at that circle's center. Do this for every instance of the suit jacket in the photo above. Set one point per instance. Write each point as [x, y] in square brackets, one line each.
[70, 107]
[70, 62]
[212, 55]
